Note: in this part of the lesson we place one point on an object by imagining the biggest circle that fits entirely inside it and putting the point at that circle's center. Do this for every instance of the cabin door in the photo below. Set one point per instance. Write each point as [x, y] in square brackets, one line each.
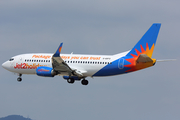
[121, 63]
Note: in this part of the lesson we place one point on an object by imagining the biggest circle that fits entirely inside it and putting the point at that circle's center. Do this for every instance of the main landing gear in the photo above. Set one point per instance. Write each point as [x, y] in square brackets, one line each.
[19, 79]
[70, 80]
[83, 82]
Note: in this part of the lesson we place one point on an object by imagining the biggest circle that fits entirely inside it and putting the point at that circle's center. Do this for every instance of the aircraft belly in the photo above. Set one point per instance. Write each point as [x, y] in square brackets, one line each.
[87, 70]
[24, 71]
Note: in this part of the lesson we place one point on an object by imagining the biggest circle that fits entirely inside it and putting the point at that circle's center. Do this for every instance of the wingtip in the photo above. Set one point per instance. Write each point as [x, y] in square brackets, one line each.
[57, 53]
[60, 47]
[157, 24]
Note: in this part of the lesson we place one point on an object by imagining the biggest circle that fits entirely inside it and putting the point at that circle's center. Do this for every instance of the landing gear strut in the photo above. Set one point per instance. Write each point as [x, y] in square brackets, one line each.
[84, 82]
[19, 79]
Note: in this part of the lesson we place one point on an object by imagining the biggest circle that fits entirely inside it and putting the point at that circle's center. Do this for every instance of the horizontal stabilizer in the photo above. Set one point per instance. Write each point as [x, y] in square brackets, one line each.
[143, 58]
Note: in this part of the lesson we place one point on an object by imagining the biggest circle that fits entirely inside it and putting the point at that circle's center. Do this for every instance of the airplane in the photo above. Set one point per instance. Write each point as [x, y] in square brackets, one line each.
[77, 67]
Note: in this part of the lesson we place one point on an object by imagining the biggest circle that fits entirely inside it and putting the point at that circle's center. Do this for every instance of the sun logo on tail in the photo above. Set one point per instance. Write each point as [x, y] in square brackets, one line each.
[60, 49]
[133, 65]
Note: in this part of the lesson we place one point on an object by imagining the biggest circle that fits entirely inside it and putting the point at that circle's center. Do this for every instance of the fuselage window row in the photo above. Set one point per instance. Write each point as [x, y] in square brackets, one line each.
[82, 62]
[88, 62]
[29, 60]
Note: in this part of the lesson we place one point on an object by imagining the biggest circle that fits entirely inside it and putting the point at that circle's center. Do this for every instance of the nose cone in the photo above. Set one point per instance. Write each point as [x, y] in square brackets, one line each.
[5, 65]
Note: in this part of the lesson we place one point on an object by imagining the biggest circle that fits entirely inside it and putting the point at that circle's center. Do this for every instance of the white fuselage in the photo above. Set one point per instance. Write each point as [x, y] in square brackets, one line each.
[88, 65]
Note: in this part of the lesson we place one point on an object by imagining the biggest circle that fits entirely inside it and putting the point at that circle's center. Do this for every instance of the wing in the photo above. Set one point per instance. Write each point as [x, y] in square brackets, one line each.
[60, 66]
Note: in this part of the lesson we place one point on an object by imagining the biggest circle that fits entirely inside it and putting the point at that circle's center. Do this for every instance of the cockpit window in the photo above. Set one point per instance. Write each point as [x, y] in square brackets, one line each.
[11, 59]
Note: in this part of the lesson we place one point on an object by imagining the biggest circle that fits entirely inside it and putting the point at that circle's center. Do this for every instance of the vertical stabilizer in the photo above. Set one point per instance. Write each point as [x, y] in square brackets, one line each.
[147, 43]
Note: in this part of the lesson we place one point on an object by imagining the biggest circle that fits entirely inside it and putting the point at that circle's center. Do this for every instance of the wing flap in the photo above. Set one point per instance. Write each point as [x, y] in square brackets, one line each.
[60, 65]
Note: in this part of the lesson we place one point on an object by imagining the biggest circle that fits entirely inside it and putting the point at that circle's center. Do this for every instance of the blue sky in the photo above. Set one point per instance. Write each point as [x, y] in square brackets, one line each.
[90, 27]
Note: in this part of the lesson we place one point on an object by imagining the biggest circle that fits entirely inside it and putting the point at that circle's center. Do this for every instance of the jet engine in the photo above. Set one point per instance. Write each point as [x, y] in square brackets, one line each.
[45, 71]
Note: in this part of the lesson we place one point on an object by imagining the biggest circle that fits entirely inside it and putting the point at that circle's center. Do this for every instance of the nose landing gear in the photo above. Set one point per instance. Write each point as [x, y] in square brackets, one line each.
[19, 79]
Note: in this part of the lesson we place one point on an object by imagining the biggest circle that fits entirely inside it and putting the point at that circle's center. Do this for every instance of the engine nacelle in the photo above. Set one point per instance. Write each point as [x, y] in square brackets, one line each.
[45, 71]
[72, 77]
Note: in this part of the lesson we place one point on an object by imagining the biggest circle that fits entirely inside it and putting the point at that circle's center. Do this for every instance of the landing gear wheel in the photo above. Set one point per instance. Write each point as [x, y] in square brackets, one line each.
[70, 81]
[19, 79]
[84, 82]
